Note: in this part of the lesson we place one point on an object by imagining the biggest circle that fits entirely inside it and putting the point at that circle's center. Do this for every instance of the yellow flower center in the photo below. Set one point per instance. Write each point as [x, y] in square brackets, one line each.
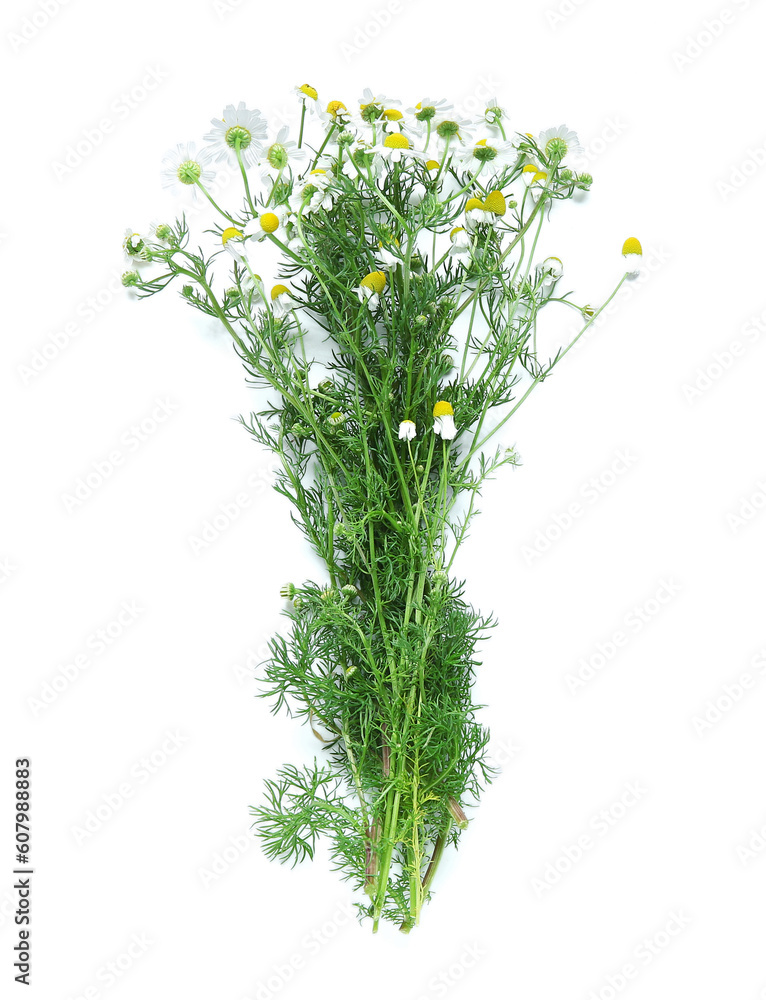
[530, 168]
[482, 142]
[432, 164]
[540, 176]
[397, 141]
[393, 115]
[319, 171]
[631, 245]
[335, 107]
[227, 234]
[474, 203]
[455, 231]
[376, 280]
[308, 91]
[495, 202]
[269, 222]
[278, 290]
[443, 409]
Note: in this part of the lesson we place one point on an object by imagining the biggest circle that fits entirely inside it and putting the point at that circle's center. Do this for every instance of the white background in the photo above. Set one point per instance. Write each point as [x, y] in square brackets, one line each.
[668, 100]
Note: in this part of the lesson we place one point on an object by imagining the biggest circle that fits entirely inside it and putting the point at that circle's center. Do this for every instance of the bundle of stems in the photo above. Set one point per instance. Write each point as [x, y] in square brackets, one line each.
[400, 338]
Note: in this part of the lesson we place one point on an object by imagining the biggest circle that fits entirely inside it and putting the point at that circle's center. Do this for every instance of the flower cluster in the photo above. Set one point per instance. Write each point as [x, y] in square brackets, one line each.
[379, 276]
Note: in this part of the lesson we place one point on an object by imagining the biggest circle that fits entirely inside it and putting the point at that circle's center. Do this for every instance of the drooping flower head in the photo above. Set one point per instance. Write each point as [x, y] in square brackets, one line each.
[444, 420]
[633, 254]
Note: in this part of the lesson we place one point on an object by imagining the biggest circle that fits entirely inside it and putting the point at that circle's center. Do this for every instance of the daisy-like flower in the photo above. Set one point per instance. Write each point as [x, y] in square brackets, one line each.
[268, 223]
[281, 152]
[396, 147]
[306, 93]
[427, 109]
[370, 288]
[550, 271]
[387, 253]
[477, 213]
[493, 114]
[134, 246]
[487, 156]
[315, 193]
[407, 430]
[432, 168]
[373, 107]
[461, 241]
[232, 240]
[185, 167]
[535, 181]
[239, 129]
[336, 112]
[495, 202]
[444, 420]
[336, 419]
[365, 159]
[558, 143]
[633, 254]
[281, 300]
[451, 132]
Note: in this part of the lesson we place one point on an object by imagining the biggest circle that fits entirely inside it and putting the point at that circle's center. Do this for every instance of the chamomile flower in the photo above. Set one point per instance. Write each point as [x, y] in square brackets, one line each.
[281, 153]
[373, 107]
[239, 129]
[494, 114]
[550, 271]
[271, 222]
[633, 254]
[487, 156]
[232, 240]
[460, 239]
[336, 419]
[444, 420]
[477, 213]
[558, 143]
[432, 169]
[281, 300]
[396, 147]
[134, 246]
[306, 93]
[184, 167]
[429, 108]
[316, 192]
[451, 132]
[389, 253]
[371, 287]
[407, 430]
[335, 112]
[495, 202]
[365, 159]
